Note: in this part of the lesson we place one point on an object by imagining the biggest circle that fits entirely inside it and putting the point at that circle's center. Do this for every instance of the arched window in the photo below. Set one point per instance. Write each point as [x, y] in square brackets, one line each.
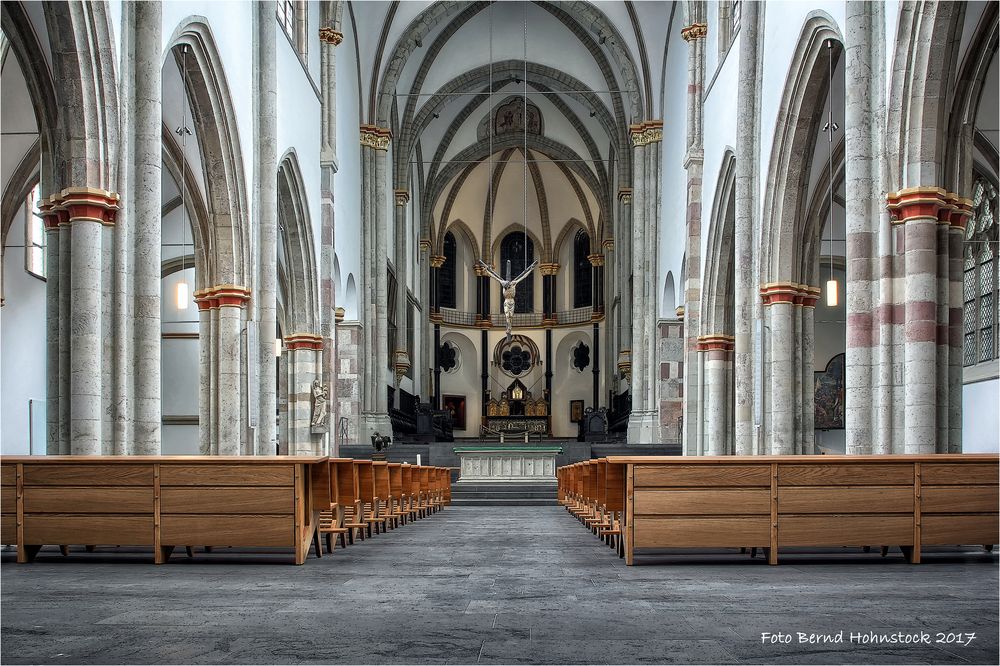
[448, 273]
[980, 289]
[518, 249]
[583, 294]
[34, 236]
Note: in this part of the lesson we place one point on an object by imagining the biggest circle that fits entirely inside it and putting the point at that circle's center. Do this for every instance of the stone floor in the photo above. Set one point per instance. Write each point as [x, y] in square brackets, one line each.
[490, 585]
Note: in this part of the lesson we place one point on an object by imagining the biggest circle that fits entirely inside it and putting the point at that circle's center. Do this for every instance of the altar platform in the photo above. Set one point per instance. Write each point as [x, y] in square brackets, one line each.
[507, 463]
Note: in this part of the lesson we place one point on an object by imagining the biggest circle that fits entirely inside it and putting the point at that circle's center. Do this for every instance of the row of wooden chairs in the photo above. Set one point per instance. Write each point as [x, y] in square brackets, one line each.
[593, 491]
[369, 497]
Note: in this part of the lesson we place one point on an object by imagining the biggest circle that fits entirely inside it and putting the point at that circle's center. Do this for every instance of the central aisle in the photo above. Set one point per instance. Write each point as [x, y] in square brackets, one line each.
[480, 585]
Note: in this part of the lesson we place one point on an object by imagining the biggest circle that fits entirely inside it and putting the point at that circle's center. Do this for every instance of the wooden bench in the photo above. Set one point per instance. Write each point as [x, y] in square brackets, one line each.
[162, 502]
[790, 501]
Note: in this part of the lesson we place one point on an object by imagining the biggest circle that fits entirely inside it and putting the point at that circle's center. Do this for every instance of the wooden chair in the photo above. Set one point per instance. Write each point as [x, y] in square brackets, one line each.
[354, 520]
[332, 522]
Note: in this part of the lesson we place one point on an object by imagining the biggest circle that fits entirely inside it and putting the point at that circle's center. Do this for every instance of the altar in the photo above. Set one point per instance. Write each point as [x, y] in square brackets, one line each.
[507, 463]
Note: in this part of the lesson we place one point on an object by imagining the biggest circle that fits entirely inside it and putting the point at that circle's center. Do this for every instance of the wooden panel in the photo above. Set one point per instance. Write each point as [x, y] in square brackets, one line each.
[959, 499]
[347, 483]
[226, 475]
[8, 475]
[227, 500]
[702, 475]
[242, 530]
[958, 474]
[55, 474]
[845, 499]
[8, 529]
[941, 529]
[87, 500]
[49, 528]
[702, 502]
[697, 532]
[845, 475]
[616, 488]
[8, 499]
[845, 530]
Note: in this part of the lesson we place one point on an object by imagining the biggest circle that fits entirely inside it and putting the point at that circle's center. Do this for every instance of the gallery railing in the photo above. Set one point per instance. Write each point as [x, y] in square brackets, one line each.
[520, 319]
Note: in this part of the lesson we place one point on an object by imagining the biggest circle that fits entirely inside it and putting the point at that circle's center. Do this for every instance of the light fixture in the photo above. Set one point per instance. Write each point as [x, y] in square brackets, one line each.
[183, 289]
[832, 288]
[277, 347]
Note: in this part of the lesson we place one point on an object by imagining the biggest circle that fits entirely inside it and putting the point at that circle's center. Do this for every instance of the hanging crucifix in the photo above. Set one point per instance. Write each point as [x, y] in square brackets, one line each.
[508, 288]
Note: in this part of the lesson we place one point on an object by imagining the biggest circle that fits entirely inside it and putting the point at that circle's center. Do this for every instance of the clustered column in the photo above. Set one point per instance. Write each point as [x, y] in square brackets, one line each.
[402, 354]
[549, 272]
[222, 317]
[55, 385]
[624, 332]
[694, 158]
[931, 223]
[305, 354]
[597, 280]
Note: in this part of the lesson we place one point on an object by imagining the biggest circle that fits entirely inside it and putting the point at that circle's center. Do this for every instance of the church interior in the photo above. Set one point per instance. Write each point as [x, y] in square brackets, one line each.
[301, 273]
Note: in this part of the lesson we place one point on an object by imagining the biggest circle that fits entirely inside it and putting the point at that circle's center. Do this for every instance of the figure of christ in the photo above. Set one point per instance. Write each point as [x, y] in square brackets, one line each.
[508, 287]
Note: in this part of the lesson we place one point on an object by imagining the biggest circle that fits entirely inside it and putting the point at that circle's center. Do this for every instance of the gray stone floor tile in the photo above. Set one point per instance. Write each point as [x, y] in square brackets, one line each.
[521, 585]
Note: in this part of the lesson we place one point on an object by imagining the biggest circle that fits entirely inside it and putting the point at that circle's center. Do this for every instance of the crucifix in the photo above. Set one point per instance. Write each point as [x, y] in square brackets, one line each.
[507, 288]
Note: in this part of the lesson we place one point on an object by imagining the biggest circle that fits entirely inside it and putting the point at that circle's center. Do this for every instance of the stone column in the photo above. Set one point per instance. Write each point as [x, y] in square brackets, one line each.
[329, 39]
[960, 213]
[779, 301]
[597, 282]
[303, 350]
[747, 147]
[638, 390]
[148, 146]
[52, 288]
[717, 350]
[206, 356]
[266, 213]
[230, 302]
[863, 135]
[549, 272]
[625, 280]
[89, 210]
[808, 342]
[64, 328]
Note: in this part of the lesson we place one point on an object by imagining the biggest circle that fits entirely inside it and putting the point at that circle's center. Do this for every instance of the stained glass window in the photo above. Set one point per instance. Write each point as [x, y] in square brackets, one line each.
[582, 271]
[448, 273]
[980, 285]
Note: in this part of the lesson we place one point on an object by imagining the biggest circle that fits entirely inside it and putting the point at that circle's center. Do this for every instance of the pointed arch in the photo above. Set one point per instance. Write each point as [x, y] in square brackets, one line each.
[222, 161]
[718, 298]
[296, 237]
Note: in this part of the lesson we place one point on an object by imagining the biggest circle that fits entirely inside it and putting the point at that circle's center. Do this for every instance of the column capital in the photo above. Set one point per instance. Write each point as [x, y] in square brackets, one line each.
[425, 244]
[479, 270]
[715, 342]
[646, 132]
[694, 31]
[625, 363]
[680, 312]
[376, 137]
[922, 203]
[789, 292]
[402, 197]
[311, 341]
[608, 244]
[437, 260]
[223, 295]
[400, 363]
[328, 35]
[339, 313]
[52, 215]
[625, 195]
[596, 259]
[548, 269]
[88, 203]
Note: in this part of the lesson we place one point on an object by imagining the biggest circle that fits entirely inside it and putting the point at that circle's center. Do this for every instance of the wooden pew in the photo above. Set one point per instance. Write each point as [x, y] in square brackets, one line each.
[783, 501]
[166, 501]
[394, 512]
[331, 520]
[366, 495]
[377, 516]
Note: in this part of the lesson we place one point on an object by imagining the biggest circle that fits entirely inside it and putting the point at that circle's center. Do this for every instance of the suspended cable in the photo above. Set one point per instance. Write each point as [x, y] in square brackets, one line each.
[183, 131]
[831, 127]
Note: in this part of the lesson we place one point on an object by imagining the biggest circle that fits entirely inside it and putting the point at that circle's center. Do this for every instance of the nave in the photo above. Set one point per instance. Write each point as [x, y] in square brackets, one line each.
[487, 585]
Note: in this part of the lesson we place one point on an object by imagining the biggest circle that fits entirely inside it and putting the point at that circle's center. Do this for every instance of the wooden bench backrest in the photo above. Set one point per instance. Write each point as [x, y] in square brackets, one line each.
[347, 481]
[366, 480]
[396, 479]
[381, 469]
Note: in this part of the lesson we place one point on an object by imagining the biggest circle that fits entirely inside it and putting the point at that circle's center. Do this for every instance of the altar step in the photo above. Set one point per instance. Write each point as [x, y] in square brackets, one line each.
[492, 493]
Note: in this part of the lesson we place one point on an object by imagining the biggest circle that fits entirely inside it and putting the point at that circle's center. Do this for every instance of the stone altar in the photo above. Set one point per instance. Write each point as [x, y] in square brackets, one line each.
[507, 463]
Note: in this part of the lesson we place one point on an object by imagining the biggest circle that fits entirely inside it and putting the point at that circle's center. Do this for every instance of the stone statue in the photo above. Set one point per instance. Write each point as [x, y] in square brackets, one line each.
[320, 395]
[508, 288]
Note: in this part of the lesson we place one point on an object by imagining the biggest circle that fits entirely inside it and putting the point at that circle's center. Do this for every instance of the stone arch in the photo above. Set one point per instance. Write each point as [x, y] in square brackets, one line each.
[798, 123]
[459, 227]
[817, 214]
[295, 233]
[221, 156]
[927, 45]
[187, 183]
[517, 227]
[718, 298]
[83, 57]
[568, 231]
[24, 178]
[970, 86]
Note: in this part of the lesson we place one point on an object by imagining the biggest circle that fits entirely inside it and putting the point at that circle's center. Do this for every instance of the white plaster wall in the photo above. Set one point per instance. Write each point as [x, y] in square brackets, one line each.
[568, 383]
[22, 350]
[673, 178]
[981, 417]
[783, 22]
[347, 181]
[299, 127]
